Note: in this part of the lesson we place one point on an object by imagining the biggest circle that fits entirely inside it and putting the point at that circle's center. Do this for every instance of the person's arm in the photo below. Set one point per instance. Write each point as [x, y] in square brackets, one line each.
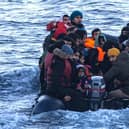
[58, 44]
[58, 52]
[111, 74]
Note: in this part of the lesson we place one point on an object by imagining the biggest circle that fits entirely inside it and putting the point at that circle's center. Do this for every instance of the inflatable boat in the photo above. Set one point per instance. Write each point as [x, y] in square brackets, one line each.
[95, 101]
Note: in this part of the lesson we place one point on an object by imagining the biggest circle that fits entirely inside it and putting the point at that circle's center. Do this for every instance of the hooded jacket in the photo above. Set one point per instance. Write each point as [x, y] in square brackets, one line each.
[120, 71]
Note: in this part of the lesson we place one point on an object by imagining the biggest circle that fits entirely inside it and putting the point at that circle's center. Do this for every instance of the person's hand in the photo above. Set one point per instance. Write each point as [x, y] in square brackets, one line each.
[116, 83]
[87, 86]
[67, 98]
[82, 90]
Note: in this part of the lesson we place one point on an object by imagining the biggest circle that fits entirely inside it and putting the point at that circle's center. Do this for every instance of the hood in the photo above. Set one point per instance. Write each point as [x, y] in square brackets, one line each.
[124, 56]
[58, 52]
[97, 39]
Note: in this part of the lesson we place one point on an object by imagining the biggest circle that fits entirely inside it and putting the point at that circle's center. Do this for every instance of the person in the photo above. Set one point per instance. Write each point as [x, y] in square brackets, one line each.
[90, 41]
[58, 74]
[118, 74]
[66, 20]
[61, 29]
[82, 81]
[57, 29]
[96, 55]
[125, 45]
[58, 77]
[124, 35]
[76, 19]
[57, 46]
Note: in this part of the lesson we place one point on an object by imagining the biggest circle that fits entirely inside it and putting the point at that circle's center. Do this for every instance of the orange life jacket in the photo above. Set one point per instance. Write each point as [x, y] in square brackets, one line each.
[89, 42]
[101, 54]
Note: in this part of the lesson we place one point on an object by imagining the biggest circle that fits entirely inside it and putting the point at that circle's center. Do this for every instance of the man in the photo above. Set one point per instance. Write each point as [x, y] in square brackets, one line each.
[124, 35]
[118, 73]
[59, 78]
[96, 55]
[90, 41]
[125, 46]
[76, 19]
[66, 20]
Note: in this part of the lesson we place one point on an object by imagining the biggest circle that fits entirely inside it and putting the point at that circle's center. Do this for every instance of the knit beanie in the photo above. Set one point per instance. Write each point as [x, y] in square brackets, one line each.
[67, 49]
[113, 52]
[75, 14]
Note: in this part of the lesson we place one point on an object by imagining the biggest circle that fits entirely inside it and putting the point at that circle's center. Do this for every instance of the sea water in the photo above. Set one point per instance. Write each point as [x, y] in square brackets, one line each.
[22, 32]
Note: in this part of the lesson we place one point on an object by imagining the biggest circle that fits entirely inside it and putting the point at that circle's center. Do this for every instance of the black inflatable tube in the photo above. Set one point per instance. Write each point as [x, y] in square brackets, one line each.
[47, 103]
[111, 39]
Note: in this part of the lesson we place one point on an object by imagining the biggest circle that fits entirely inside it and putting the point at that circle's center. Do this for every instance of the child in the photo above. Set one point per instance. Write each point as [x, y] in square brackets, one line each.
[83, 82]
[88, 69]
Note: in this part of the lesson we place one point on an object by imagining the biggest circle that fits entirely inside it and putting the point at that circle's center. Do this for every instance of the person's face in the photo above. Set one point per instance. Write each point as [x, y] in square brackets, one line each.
[82, 60]
[77, 55]
[84, 38]
[81, 73]
[95, 34]
[66, 20]
[77, 20]
[78, 42]
[125, 32]
[69, 43]
[112, 58]
[102, 42]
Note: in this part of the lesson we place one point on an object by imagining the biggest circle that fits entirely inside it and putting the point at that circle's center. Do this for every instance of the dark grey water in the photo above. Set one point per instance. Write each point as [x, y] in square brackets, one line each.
[22, 30]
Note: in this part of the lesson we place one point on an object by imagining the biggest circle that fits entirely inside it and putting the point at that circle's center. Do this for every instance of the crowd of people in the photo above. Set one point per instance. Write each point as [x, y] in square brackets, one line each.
[70, 58]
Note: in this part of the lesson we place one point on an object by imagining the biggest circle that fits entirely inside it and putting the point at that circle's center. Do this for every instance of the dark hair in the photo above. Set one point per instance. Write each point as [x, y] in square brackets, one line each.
[126, 28]
[128, 24]
[65, 15]
[68, 38]
[95, 30]
[74, 36]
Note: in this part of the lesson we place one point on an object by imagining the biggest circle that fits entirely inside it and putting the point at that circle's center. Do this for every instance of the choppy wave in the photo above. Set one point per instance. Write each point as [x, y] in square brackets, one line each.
[22, 31]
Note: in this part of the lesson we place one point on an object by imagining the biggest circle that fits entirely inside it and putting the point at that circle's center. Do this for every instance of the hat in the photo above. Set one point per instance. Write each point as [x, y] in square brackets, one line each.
[67, 49]
[80, 66]
[113, 52]
[75, 14]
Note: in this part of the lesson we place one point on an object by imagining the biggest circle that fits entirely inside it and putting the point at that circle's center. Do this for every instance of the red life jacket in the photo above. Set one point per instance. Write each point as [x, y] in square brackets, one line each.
[61, 29]
[66, 79]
